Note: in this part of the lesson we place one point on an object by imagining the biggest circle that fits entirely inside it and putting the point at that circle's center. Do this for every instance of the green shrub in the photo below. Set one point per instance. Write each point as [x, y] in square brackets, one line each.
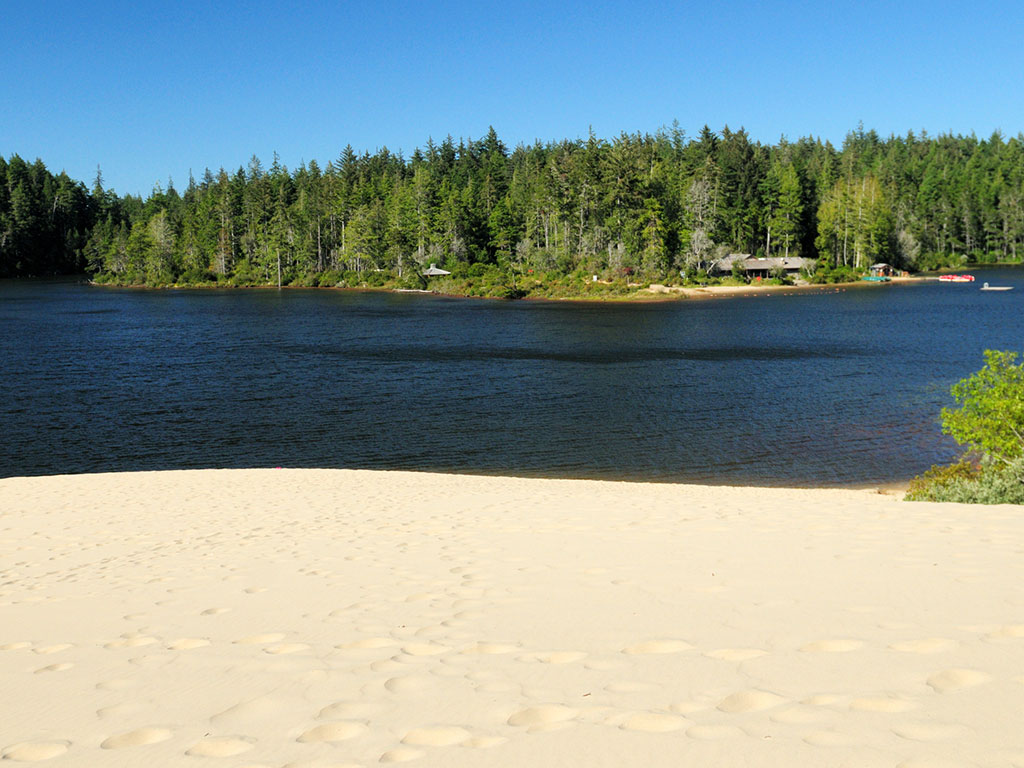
[197, 275]
[990, 422]
[305, 280]
[827, 274]
[329, 279]
[932, 483]
[995, 484]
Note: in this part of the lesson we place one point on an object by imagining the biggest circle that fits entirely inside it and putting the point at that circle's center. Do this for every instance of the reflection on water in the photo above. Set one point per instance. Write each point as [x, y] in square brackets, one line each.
[805, 389]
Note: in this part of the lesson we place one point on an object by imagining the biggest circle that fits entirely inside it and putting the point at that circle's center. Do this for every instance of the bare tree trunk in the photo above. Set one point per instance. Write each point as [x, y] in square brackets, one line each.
[319, 249]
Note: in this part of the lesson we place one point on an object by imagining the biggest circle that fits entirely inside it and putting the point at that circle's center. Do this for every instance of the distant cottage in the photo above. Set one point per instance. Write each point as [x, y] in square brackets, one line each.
[764, 268]
[433, 271]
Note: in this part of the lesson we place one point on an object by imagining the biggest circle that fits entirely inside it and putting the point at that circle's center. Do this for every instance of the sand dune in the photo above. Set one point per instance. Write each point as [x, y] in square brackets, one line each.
[323, 618]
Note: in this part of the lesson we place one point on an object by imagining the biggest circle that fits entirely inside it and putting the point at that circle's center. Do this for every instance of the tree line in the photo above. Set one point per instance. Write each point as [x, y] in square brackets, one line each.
[653, 206]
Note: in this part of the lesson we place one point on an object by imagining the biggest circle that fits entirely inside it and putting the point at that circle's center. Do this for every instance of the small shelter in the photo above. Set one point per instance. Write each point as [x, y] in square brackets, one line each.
[433, 271]
[882, 270]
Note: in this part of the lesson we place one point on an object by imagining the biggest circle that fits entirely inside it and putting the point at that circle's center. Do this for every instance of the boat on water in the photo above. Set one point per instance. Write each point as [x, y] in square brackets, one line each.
[876, 279]
[956, 278]
[987, 287]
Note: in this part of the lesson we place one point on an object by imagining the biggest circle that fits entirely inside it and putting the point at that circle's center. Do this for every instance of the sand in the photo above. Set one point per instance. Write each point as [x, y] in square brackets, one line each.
[323, 618]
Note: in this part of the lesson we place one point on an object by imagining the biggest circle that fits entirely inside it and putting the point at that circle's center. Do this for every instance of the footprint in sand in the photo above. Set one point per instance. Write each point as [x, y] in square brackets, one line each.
[132, 642]
[954, 679]
[554, 657]
[34, 751]
[490, 649]
[119, 710]
[882, 704]
[735, 654]
[262, 639]
[137, 738]
[424, 649]
[408, 684]
[117, 684]
[388, 665]
[422, 597]
[438, 736]
[55, 667]
[930, 731]
[188, 643]
[839, 645]
[367, 644]
[657, 646]
[245, 712]
[829, 739]
[47, 649]
[401, 755]
[220, 746]
[352, 709]
[1003, 634]
[332, 732]
[928, 645]
[214, 611]
[653, 722]
[282, 649]
[750, 701]
[484, 742]
[543, 715]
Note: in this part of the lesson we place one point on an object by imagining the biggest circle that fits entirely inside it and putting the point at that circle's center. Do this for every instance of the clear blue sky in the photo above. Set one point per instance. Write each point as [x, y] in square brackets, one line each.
[150, 90]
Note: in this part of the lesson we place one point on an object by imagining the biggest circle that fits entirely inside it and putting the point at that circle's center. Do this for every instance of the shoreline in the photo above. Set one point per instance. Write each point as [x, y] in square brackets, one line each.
[886, 487]
[655, 292]
[357, 617]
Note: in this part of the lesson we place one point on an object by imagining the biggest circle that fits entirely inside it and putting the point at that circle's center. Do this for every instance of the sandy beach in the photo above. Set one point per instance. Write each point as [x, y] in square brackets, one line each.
[322, 618]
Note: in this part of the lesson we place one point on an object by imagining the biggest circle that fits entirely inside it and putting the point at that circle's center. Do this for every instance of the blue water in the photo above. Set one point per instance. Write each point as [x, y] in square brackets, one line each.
[801, 389]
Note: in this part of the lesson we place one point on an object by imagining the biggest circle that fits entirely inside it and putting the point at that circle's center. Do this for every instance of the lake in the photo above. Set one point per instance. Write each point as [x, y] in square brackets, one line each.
[806, 389]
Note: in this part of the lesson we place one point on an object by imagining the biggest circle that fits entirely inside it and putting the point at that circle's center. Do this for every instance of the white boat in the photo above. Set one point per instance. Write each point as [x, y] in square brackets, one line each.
[987, 287]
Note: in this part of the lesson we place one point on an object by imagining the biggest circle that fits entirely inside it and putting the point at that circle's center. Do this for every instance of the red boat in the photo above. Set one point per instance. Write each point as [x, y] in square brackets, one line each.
[957, 278]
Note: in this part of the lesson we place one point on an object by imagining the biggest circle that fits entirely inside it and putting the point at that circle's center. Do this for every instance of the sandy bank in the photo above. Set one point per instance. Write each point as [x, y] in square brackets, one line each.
[754, 289]
[323, 618]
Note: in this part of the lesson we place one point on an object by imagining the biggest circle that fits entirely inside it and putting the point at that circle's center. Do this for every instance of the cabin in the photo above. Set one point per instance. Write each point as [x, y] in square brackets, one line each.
[761, 268]
[433, 271]
[724, 265]
[882, 270]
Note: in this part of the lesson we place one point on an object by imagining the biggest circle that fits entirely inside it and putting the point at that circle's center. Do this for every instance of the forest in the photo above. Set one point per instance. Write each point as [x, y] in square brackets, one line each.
[638, 208]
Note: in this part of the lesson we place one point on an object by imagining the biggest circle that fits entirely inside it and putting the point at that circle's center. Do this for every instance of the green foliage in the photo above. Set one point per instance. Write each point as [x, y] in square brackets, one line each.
[990, 418]
[990, 421]
[855, 226]
[825, 274]
[933, 484]
[994, 485]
